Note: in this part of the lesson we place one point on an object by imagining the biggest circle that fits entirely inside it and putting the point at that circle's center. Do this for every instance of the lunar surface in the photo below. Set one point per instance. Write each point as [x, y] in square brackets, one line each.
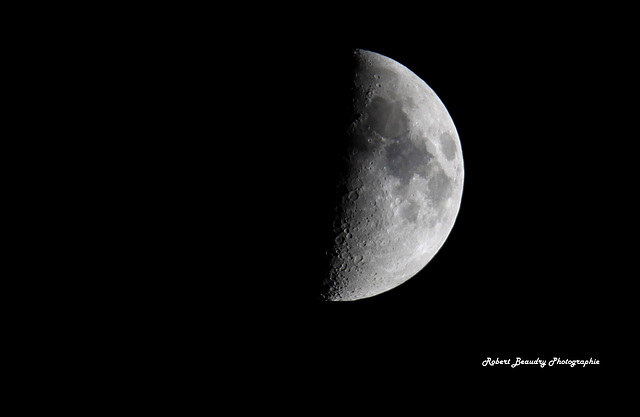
[401, 193]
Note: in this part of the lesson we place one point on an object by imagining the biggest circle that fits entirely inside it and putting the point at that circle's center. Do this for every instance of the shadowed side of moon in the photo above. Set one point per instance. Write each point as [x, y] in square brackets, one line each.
[399, 185]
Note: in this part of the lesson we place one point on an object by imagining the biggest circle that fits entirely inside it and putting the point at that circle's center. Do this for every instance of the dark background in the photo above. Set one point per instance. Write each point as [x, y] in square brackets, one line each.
[201, 157]
[533, 265]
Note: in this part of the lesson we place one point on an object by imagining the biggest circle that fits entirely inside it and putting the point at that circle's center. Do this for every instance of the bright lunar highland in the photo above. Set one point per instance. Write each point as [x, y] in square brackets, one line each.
[402, 190]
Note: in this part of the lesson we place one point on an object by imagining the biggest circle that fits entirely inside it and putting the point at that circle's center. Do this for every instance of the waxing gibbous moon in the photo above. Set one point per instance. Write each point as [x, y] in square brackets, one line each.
[401, 193]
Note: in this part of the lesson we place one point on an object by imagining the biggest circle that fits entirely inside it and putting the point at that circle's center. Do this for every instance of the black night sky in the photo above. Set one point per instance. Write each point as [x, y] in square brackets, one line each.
[220, 139]
[533, 264]
[527, 270]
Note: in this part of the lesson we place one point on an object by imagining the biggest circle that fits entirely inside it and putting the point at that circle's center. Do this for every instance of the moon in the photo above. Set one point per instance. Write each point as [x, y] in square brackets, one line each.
[401, 193]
